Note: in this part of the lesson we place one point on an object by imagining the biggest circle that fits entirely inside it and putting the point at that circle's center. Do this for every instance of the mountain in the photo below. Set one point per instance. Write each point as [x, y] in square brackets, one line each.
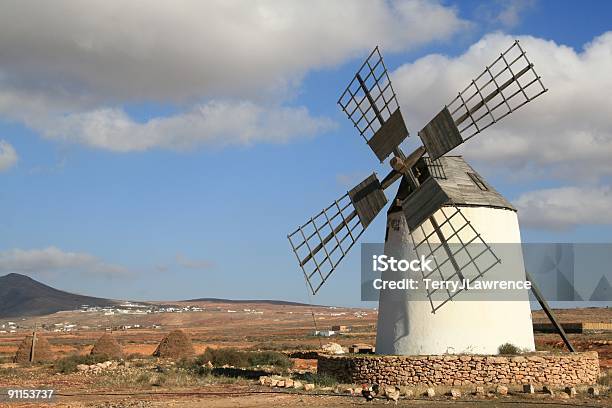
[243, 301]
[21, 295]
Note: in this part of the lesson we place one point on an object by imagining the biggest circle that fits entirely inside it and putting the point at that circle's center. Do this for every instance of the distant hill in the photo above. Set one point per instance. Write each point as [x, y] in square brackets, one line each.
[243, 301]
[21, 295]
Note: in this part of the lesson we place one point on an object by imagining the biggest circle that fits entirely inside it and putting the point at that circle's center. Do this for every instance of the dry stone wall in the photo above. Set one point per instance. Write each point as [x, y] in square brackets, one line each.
[534, 368]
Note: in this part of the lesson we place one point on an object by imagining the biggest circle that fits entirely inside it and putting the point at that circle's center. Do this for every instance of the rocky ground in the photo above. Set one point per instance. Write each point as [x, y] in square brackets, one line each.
[159, 383]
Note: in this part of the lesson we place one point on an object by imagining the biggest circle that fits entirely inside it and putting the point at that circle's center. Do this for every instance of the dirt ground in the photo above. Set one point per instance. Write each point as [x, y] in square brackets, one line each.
[285, 400]
[250, 395]
[282, 328]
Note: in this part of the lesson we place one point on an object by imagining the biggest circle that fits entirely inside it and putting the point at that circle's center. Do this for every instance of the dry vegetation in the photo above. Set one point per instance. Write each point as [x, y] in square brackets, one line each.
[250, 343]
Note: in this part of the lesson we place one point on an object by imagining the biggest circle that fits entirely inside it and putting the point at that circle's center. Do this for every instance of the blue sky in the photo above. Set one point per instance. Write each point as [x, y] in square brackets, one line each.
[165, 154]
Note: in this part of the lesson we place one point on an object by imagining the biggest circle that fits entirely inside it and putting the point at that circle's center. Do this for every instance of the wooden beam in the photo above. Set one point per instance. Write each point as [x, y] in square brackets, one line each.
[540, 298]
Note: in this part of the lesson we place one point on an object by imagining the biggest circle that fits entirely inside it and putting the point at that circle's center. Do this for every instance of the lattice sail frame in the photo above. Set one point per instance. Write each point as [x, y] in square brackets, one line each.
[524, 85]
[355, 103]
[371, 104]
[462, 255]
[504, 86]
[318, 259]
[323, 241]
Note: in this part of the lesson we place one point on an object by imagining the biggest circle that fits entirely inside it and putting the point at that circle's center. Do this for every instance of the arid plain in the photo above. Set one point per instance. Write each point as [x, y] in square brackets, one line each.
[287, 329]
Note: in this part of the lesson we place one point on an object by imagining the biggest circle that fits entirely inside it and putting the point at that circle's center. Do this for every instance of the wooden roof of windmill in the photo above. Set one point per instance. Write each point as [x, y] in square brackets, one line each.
[453, 182]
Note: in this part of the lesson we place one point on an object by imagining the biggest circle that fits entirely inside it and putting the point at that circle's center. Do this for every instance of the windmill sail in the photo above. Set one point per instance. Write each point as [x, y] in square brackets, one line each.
[503, 87]
[457, 250]
[370, 103]
[441, 231]
[323, 241]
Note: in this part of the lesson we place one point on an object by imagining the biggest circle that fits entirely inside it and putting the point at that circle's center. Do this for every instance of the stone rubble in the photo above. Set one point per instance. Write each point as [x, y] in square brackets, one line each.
[501, 390]
[395, 392]
[284, 382]
[98, 367]
[333, 348]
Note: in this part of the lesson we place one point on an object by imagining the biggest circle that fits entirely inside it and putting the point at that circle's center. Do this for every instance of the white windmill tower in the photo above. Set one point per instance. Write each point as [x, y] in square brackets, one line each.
[443, 210]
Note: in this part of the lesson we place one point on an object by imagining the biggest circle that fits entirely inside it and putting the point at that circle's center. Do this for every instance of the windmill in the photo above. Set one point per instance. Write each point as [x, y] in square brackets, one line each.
[443, 209]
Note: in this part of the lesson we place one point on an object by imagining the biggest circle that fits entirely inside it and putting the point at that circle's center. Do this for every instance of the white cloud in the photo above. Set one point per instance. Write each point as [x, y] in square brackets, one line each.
[215, 123]
[188, 263]
[510, 14]
[8, 155]
[565, 133]
[228, 66]
[52, 259]
[565, 207]
[113, 50]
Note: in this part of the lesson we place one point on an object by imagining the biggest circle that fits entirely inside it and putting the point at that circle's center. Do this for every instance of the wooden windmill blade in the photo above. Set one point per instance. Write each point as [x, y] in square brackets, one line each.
[458, 252]
[323, 241]
[504, 86]
[438, 227]
[371, 104]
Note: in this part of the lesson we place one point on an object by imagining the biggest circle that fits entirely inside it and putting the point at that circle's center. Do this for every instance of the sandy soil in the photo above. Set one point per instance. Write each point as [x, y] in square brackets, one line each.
[278, 328]
[216, 396]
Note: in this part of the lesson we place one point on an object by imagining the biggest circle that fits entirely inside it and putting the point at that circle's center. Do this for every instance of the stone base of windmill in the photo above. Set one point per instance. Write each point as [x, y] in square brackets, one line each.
[540, 368]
